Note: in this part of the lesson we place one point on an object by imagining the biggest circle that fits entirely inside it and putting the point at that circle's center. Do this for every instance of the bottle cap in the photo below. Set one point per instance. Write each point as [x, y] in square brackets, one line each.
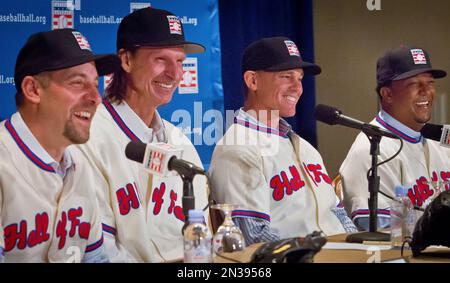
[196, 215]
[400, 191]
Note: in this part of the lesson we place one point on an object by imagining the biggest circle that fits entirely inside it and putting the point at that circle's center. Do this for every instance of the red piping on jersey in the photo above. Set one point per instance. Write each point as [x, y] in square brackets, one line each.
[250, 125]
[120, 122]
[398, 132]
[95, 245]
[249, 213]
[109, 229]
[366, 212]
[307, 172]
[26, 150]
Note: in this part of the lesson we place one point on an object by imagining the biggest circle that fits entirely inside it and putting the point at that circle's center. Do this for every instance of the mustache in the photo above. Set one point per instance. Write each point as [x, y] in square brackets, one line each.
[84, 107]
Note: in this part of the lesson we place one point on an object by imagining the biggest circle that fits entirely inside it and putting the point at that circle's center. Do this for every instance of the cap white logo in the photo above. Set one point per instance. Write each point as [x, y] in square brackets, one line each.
[418, 56]
[82, 41]
[292, 48]
[174, 25]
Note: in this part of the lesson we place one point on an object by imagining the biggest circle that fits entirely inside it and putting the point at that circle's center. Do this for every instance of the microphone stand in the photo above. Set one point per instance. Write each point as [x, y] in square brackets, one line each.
[188, 199]
[187, 172]
[374, 185]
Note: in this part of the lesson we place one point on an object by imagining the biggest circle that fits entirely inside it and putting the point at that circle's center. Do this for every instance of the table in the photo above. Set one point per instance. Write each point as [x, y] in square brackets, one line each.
[430, 255]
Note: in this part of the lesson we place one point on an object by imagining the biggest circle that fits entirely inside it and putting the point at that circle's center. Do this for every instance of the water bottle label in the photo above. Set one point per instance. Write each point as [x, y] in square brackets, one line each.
[198, 255]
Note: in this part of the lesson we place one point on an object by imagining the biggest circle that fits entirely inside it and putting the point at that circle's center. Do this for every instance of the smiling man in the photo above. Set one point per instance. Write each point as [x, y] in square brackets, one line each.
[277, 178]
[141, 212]
[48, 209]
[405, 85]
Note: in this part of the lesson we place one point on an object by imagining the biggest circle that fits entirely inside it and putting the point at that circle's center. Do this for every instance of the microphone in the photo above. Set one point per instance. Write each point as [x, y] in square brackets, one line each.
[432, 131]
[160, 158]
[440, 133]
[332, 116]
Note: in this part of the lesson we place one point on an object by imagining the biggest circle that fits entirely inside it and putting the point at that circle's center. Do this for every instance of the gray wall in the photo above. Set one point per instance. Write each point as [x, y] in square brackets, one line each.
[348, 40]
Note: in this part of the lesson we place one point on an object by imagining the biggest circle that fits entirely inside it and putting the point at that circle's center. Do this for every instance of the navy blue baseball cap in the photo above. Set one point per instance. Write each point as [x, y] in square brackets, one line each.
[155, 28]
[275, 54]
[59, 49]
[404, 62]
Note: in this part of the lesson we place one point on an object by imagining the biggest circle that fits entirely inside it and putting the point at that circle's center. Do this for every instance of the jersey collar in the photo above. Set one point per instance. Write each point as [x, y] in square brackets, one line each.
[33, 150]
[393, 125]
[246, 120]
[133, 126]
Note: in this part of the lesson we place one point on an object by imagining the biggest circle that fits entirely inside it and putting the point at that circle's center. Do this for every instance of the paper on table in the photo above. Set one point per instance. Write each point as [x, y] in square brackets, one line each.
[353, 246]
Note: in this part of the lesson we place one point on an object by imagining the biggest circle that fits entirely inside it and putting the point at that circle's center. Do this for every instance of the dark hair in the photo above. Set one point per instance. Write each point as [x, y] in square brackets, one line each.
[20, 98]
[117, 89]
[378, 88]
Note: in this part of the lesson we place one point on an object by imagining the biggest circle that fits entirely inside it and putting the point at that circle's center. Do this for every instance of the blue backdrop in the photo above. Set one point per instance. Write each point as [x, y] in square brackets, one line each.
[200, 90]
[244, 21]
[198, 107]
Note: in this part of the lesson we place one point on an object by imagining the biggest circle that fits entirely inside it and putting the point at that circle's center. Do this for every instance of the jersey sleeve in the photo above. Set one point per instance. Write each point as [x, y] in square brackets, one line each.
[354, 177]
[103, 231]
[237, 177]
[121, 220]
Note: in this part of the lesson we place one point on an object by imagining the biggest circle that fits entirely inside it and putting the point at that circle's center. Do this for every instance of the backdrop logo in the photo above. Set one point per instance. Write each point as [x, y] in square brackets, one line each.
[373, 5]
[6, 80]
[136, 6]
[62, 14]
[189, 82]
[74, 4]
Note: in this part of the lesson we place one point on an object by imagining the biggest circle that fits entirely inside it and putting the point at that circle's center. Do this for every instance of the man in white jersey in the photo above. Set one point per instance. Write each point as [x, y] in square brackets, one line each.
[405, 86]
[48, 209]
[143, 212]
[278, 179]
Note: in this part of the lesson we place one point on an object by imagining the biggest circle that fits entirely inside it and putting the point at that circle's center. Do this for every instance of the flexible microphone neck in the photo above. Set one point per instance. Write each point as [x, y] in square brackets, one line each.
[184, 168]
[333, 116]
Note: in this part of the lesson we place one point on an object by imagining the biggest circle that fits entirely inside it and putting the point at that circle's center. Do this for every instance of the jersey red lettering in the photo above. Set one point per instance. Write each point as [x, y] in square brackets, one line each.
[40, 234]
[61, 231]
[84, 229]
[316, 169]
[73, 215]
[296, 181]
[424, 188]
[158, 199]
[445, 176]
[175, 209]
[16, 236]
[127, 199]
[278, 188]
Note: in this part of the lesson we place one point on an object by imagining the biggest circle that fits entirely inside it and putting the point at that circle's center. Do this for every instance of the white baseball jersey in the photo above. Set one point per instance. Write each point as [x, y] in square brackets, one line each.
[145, 219]
[43, 217]
[275, 177]
[420, 161]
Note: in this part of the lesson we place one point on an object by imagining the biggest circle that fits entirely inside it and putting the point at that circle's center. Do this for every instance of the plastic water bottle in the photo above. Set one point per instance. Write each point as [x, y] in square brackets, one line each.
[402, 217]
[197, 239]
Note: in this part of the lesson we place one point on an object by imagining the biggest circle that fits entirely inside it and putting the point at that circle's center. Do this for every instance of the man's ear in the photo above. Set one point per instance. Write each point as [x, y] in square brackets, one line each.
[251, 80]
[125, 59]
[386, 94]
[31, 89]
